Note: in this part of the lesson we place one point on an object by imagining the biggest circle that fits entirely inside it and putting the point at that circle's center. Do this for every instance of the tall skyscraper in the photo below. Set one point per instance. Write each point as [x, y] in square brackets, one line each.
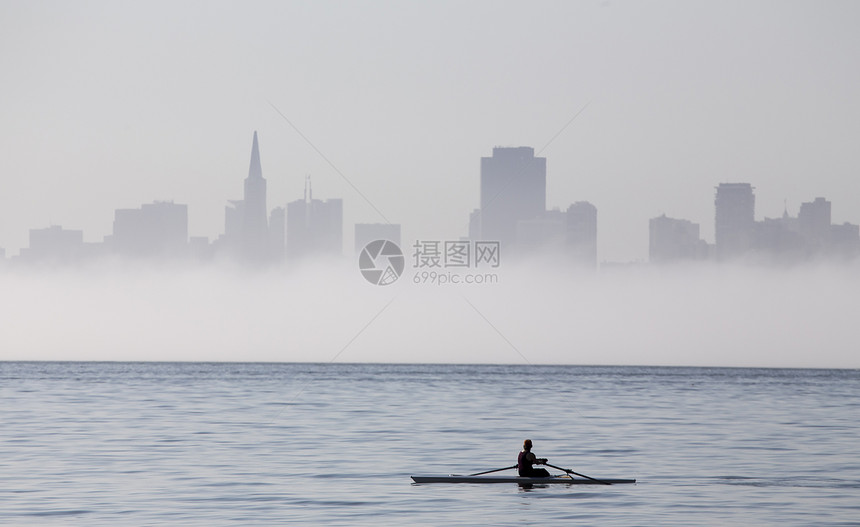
[513, 189]
[255, 229]
[314, 227]
[735, 219]
[246, 231]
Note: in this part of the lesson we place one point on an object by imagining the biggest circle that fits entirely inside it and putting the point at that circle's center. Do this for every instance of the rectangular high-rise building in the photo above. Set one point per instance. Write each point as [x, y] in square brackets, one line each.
[814, 221]
[734, 224]
[513, 189]
[314, 228]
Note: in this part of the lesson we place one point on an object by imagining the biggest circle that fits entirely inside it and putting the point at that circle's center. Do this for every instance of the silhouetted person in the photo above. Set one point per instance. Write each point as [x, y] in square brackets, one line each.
[525, 461]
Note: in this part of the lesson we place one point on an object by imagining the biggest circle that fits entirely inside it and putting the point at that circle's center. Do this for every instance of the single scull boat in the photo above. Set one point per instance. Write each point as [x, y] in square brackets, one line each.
[563, 479]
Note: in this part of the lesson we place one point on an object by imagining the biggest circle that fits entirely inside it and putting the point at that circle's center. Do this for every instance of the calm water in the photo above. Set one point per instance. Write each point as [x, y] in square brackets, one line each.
[266, 444]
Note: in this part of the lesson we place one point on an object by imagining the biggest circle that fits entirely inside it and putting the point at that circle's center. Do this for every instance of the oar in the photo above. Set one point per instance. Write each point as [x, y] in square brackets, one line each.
[496, 470]
[578, 474]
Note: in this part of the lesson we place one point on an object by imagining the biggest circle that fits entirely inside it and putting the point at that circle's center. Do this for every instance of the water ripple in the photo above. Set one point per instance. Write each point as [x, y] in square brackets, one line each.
[264, 444]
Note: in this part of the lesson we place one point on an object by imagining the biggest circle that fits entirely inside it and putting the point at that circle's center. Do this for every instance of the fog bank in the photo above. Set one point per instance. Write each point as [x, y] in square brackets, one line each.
[706, 316]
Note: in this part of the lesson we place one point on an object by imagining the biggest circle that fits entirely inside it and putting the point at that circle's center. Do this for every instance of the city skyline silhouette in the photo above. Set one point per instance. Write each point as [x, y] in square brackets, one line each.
[512, 212]
[639, 109]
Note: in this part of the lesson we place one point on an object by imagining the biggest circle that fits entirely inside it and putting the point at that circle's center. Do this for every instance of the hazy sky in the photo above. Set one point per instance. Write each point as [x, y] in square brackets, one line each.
[110, 105]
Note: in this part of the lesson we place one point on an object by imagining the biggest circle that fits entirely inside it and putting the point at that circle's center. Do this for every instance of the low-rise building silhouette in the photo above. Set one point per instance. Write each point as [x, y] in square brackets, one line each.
[674, 240]
[54, 245]
[778, 240]
[845, 241]
[568, 236]
[155, 230]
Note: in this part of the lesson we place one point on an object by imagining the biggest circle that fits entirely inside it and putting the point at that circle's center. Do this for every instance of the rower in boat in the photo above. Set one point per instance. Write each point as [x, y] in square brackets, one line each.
[527, 459]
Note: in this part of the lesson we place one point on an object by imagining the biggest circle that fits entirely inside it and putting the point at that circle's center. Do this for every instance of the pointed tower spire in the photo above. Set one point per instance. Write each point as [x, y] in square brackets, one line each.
[255, 228]
[255, 171]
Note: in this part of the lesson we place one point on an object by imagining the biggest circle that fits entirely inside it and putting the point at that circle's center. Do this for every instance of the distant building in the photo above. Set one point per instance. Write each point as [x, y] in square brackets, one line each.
[54, 245]
[254, 227]
[674, 240]
[278, 232]
[368, 232]
[200, 249]
[814, 225]
[314, 227]
[845, 240]
[570, 235]
[246, 231]
[815, 217]
[810, 236]
[157, 229]
[542, 234]
[234, 212]
[778, 240]
[735, 219]
[581, 233]
[513, 189]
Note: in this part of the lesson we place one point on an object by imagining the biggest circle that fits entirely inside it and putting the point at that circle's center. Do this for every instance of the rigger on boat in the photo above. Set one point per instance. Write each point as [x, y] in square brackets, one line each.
[527, 474]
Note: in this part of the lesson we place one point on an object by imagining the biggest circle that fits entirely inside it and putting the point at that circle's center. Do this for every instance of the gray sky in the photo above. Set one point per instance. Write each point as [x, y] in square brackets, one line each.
[110, 105]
